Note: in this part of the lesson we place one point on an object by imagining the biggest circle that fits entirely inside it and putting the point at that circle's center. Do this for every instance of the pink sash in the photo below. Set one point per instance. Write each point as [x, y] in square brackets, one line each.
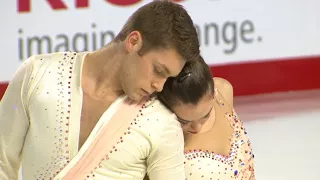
[82, 165]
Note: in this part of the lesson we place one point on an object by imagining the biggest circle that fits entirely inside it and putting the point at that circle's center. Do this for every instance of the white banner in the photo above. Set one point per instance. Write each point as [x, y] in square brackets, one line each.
[230, 31]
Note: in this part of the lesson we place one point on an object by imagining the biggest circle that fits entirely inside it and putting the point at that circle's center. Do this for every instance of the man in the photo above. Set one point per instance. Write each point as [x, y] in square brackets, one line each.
[65, 115]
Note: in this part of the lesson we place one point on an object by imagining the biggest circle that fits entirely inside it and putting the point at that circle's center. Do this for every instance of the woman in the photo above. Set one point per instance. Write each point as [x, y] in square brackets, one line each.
[216, 146]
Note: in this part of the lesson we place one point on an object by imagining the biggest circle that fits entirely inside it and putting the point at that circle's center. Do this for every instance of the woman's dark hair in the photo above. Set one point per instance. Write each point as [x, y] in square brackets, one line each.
[193, 83]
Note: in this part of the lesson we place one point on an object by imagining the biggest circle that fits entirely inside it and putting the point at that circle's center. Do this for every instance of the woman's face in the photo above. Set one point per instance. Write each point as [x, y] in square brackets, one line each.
[192, 117]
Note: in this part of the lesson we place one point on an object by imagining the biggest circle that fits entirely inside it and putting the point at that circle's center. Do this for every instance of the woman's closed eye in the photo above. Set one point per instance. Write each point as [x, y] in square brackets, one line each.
[183, 122]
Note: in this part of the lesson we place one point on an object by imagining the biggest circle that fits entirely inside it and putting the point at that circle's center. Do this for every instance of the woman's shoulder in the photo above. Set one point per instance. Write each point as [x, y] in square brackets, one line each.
[225, 88]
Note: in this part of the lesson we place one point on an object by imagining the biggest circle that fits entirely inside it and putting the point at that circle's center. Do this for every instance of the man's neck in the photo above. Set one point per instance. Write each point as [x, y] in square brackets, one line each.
[101, 72]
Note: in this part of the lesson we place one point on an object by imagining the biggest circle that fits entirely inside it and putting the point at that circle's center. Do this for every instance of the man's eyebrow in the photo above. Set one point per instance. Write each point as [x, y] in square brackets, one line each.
[165, 68]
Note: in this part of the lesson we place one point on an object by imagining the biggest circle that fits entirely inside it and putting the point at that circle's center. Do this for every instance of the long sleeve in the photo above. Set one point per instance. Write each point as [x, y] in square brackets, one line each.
[166, 160]
[14, 122]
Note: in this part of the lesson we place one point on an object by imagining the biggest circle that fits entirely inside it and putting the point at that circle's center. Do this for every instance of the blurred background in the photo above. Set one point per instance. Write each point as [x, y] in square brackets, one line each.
[268, 49]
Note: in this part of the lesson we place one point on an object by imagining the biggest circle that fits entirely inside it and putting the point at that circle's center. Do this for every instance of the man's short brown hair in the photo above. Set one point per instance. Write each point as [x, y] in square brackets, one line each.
[163, 24]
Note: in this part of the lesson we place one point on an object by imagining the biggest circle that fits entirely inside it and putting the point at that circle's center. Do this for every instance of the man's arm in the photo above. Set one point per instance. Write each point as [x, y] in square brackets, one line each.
[166, 160]
[14, 122]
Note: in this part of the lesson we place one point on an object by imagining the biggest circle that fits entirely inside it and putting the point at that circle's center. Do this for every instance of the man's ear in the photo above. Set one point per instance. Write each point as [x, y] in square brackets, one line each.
[134, 42]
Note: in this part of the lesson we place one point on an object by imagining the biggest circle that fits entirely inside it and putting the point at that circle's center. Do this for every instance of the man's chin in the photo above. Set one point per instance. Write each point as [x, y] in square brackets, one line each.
[135, 97]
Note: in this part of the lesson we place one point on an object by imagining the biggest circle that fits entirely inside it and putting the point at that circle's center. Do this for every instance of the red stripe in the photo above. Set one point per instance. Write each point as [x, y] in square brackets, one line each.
[3, 87]
[277, 75]
[57, 4]
[23, 5]
[82, 3]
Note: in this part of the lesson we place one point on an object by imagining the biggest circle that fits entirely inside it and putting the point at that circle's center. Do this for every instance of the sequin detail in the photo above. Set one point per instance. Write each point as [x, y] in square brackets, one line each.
[61, 156]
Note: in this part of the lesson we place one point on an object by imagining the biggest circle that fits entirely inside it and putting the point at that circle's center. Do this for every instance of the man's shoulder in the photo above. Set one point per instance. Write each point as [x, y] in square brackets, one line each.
[155, 109]
[59, 57]
[159, 122]
[45, 56]
[154, 105]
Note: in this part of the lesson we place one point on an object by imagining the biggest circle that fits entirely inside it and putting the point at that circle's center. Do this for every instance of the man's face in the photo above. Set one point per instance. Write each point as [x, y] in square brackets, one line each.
[143, 75]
